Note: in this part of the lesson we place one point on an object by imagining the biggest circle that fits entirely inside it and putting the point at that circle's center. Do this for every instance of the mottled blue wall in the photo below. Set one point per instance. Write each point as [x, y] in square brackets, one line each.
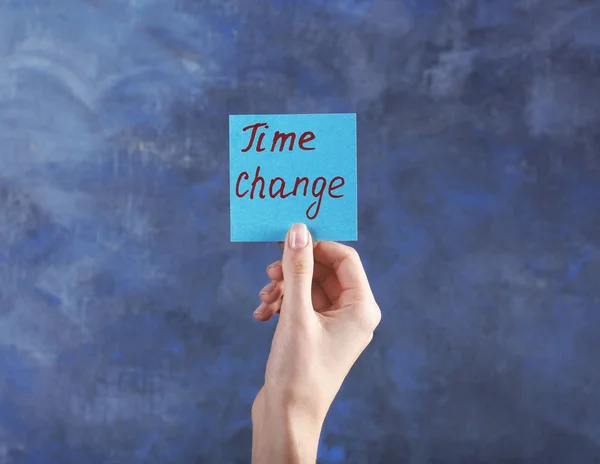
[126, 329]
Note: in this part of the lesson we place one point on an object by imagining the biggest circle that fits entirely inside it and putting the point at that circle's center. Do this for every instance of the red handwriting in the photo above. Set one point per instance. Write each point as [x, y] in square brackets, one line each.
[280, 137]
[276, 187]
[258, 187]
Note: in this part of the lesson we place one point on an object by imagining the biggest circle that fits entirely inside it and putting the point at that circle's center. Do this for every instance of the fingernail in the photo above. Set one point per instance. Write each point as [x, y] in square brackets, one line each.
[298, 236]
[259, 310]
[268, 289]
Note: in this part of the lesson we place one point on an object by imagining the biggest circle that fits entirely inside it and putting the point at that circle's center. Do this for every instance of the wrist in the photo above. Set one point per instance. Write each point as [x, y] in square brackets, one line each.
[284, 432]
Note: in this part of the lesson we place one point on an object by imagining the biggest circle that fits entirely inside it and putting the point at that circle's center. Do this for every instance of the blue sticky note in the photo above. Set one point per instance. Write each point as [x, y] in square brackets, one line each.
[292, 168]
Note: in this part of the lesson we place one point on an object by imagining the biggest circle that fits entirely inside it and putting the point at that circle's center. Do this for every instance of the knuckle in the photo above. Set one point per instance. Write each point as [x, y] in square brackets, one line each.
[369, 317]
[273, 266]
[350, 254]
[376, 317]
[353, 255]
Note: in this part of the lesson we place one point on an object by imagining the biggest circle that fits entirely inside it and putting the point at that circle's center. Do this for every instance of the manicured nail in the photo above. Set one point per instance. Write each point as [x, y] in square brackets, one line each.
[259, 310]
[268, 289]
[298, 236]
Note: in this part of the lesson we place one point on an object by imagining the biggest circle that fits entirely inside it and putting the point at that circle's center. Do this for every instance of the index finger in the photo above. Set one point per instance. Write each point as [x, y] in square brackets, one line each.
[345, 262]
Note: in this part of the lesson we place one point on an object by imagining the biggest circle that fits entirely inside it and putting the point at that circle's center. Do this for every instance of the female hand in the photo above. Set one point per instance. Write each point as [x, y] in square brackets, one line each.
[327, 318]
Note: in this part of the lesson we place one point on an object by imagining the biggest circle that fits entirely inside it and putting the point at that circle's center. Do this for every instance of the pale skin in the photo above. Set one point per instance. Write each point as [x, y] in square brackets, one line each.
[327, 316]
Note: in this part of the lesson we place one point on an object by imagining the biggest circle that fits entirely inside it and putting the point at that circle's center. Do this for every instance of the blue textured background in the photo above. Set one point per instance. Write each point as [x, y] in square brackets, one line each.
[126, 323]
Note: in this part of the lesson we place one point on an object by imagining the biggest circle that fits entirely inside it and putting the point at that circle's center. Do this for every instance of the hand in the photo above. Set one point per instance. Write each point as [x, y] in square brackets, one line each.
[327, 318]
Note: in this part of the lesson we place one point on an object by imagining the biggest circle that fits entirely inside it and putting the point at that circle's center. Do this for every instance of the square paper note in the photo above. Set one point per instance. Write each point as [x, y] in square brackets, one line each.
[292, 168]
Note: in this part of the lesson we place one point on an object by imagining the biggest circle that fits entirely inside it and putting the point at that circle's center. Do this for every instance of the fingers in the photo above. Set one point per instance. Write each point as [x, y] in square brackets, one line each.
[267, 310]
[345, 263]
[323, 276]
[334, 268]
[272, 292]
[270, 297]
[298, 266]
[337, 268]
[324, 270]
[271, 301]
[274, 271]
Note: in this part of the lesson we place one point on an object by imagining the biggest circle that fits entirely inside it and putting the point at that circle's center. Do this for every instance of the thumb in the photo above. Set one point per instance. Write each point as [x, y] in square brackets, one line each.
[297, 265]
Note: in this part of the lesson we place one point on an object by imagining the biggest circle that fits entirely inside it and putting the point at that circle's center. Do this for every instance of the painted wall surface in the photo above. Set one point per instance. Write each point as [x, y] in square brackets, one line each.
[126, 329]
